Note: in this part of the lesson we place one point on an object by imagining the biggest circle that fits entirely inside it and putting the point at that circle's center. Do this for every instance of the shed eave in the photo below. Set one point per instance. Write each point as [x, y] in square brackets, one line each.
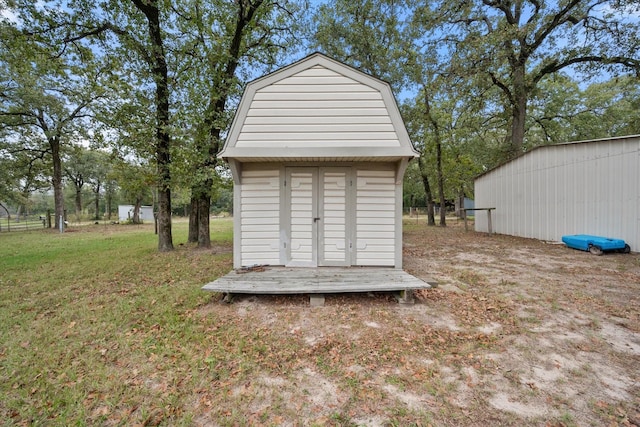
[345, 153]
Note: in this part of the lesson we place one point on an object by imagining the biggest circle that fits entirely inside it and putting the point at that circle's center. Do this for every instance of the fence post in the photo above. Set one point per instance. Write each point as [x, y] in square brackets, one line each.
[490, 227]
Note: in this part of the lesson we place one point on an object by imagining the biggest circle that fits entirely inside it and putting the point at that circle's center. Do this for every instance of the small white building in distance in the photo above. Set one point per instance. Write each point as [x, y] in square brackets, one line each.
[125, 213]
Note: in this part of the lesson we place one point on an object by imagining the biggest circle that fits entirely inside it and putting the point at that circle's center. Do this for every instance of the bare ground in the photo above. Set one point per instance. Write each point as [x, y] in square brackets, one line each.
[519, 332]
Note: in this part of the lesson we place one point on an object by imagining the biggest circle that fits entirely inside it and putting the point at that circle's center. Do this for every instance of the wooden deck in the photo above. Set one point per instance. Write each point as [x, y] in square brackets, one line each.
[322, 280]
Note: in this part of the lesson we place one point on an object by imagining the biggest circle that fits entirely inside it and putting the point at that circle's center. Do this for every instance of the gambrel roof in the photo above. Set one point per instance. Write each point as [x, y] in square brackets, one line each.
[317, 109]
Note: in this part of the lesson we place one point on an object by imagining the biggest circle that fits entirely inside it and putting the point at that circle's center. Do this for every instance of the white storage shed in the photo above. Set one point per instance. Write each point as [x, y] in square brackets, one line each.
[587, 187]
[125, 213]
[318, 151]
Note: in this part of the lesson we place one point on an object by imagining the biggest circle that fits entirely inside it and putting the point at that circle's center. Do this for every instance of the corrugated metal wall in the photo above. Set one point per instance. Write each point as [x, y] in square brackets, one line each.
[588, 187]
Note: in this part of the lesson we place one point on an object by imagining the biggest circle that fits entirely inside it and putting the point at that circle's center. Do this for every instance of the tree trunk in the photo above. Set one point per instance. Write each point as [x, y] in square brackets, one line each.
[78, 203]
[8, 217]
[443, 208]
[97, 201]
[58, 197]
[440, 176]
[460, 211]
[136, 211]
[165, 238]
[431, 217]
[108, 203]
[215, 110]
[159, 70]
[204, 206]
[519, 111]
[193, 218]
[199, 227]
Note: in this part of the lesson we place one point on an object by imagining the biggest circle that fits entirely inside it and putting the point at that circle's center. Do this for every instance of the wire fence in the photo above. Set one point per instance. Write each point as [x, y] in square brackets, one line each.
[22, 223]
[419, 211]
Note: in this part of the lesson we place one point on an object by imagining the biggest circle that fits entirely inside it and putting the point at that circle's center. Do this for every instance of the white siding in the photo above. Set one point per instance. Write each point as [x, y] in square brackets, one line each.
[125, 212]
[333, 236]
[580, 188]
[317, 108]
[301, 199]
[375, 217]
[260, 217]
[329, 125]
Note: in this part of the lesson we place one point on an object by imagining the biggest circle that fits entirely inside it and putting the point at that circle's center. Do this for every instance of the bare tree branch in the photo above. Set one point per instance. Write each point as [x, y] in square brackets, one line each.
[555, 65]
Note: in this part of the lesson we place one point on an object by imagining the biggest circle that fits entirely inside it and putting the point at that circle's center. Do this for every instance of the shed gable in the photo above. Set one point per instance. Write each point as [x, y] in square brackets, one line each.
[318, 109]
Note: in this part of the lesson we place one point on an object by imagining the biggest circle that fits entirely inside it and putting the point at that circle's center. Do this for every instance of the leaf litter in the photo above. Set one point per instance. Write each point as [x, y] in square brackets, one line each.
[519, 332]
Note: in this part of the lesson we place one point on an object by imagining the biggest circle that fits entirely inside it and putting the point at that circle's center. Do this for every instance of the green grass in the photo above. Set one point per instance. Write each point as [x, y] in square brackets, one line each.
[98, 326]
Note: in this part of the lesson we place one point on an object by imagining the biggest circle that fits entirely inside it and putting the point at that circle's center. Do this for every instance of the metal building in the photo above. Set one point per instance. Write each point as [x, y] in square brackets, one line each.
[586, 187]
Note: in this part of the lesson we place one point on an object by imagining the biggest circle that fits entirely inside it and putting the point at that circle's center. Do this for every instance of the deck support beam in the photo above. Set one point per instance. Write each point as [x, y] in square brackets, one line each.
[316, 300]
[405, 297]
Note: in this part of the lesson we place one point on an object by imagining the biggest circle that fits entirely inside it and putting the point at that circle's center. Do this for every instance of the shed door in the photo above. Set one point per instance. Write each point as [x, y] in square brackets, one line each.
[335, 222]
[302, 223]
[318, 220]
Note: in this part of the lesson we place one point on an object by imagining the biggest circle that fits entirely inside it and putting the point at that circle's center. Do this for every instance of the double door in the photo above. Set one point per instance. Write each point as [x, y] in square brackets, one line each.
[319, 216]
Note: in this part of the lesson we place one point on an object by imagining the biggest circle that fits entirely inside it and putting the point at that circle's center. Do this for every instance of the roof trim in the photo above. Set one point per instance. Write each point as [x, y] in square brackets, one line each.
[229, 150]
[550, 146]
[346, 152]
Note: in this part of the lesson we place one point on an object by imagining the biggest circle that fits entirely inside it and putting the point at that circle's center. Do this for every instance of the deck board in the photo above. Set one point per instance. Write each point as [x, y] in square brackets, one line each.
[288, 280]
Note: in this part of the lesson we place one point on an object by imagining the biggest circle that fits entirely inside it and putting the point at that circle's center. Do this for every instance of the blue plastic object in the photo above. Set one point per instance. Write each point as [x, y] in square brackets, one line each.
[595, 244]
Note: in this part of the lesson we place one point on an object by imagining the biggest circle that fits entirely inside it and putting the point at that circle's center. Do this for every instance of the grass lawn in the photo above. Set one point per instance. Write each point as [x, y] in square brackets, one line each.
[96, 326]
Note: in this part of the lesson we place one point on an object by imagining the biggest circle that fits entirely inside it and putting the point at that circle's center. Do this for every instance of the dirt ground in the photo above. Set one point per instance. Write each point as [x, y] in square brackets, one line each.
[571, 345]
[518, 332]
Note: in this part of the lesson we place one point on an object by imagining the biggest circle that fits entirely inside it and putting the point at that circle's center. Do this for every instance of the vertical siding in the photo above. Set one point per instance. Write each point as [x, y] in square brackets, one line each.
[375, 217]
[260, 217]
[590, 188]
[302, 230]
[334, 244]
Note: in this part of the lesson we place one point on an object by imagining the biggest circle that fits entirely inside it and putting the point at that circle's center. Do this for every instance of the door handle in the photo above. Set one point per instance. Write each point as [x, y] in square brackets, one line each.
[316, 219]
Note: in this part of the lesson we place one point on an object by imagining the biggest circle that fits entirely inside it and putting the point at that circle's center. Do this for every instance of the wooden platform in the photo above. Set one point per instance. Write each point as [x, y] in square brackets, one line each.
[322, 280]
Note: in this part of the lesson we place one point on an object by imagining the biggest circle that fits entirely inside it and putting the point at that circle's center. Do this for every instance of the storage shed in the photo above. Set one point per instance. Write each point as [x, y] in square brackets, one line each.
[318, 151]
[125, 213]
[586, 187]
